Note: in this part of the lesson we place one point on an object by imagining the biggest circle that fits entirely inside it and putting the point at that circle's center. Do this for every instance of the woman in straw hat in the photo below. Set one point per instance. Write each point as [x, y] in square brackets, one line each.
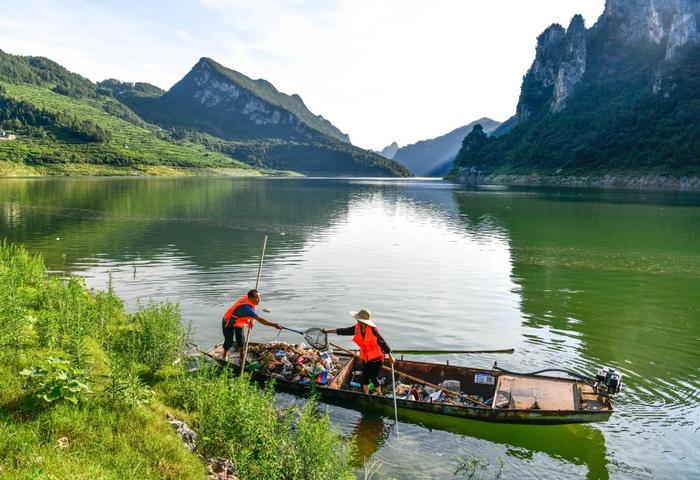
[372, 347]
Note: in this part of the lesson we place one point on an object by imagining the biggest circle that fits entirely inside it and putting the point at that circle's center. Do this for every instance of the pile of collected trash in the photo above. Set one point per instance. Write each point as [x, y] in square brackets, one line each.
[294, 363]
[421, 393]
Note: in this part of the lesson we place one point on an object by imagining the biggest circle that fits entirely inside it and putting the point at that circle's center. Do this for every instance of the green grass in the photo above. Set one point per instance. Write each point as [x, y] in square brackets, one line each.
[131, 375]
[132, 144]
[235, 420]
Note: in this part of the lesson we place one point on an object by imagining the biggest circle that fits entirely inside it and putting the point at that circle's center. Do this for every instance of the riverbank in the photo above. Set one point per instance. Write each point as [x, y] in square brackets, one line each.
[86, 391]
[643, 182]
[611, 180]
[14, 169]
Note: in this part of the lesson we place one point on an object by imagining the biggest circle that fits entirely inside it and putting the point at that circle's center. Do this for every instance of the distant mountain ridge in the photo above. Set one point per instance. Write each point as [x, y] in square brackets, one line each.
[620, 98]
[215, 118]
[252, 120]
[434, 157]
[389, 151]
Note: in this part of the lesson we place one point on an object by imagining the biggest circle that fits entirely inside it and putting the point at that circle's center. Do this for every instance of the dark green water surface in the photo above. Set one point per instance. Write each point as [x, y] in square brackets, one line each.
[569, 278]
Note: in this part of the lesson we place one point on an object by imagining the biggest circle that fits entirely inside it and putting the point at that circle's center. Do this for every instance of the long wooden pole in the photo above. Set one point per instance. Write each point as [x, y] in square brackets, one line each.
[250, 328]
[411, 377]
[396, 410]
[445, 352]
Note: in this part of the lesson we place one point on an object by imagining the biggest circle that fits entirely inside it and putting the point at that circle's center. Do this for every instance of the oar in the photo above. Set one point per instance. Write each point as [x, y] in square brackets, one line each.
[443, 352]
[411, 377]
[250, 328]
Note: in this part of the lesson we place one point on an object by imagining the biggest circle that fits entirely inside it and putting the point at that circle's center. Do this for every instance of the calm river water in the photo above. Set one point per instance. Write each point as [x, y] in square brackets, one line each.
[569, 278]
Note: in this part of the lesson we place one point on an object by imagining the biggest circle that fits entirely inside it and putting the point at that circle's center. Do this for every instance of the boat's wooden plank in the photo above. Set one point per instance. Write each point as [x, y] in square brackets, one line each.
[342, 377]
[528, 393]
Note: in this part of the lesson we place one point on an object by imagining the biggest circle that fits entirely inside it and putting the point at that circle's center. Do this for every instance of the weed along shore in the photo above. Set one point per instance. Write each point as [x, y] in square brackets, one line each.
[88, 390]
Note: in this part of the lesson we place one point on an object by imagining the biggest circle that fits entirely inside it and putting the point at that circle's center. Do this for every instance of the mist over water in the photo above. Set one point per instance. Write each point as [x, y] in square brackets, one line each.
[570, 278]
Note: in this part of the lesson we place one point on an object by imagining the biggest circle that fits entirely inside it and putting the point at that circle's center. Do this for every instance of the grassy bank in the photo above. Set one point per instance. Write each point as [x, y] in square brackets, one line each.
[18, 169]
[85, 388]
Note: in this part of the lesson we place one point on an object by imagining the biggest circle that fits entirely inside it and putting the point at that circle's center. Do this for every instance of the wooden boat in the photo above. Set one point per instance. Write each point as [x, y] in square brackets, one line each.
[511, 398]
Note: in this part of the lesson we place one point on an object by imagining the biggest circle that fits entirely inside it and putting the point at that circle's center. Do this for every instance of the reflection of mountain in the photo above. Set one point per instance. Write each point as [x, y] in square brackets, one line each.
[614, 282]
[206, 220]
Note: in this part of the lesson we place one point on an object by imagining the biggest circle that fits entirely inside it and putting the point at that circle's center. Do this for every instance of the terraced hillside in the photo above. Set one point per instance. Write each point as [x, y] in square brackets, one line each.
[94, 135]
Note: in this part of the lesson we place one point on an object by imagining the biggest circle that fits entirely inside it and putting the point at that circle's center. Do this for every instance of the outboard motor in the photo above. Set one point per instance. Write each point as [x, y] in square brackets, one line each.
[608, 381]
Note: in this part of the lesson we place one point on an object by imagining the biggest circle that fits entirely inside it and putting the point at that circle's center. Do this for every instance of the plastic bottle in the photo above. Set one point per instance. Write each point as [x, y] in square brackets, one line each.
[372, 388]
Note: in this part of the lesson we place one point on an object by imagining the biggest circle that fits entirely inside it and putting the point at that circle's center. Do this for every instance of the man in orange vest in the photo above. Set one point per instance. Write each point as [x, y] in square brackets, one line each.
[241, 314]
[372, 347]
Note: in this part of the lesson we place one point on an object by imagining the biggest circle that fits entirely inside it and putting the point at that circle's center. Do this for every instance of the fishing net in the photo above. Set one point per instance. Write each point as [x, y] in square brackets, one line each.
[316, 338]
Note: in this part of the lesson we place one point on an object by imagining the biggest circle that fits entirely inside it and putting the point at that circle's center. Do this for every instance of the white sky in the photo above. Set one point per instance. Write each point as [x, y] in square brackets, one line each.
[380, 70]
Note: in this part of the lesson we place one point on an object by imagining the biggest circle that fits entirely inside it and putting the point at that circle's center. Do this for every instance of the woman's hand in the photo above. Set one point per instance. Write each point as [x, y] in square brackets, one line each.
[392, 359]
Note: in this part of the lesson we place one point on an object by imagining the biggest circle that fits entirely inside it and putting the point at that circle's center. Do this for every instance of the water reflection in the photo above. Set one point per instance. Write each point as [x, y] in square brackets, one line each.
[368, 434]
[611, 283]
[566, 277]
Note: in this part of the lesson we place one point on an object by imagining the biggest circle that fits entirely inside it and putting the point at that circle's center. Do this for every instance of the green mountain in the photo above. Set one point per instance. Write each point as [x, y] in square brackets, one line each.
[66, 124]
[46, 73]
[251, 120]
[620, 98]
[434, 157]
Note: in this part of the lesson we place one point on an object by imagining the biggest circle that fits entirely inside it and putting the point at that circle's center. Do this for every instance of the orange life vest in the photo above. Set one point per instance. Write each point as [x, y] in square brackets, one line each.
[239, 321]
[369, 347]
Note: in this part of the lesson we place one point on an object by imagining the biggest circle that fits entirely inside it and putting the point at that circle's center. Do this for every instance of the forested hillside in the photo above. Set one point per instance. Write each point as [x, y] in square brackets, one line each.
[66, 124]
[620, 98]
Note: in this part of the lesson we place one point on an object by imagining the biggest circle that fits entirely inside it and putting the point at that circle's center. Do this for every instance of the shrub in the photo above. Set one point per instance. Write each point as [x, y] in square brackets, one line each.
[153, 336]
[317, 452]
[237, 420]
[123, 387]
[56, 380]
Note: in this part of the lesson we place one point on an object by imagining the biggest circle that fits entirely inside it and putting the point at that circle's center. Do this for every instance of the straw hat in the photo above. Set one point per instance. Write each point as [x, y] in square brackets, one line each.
[363, 316]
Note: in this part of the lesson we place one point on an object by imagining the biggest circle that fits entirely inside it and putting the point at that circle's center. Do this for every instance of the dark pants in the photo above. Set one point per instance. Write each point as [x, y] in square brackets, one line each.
[229, 333]
[370, 371]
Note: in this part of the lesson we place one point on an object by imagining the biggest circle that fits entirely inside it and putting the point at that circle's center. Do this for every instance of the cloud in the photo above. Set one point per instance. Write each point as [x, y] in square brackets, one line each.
[385, 70]
[395, 69]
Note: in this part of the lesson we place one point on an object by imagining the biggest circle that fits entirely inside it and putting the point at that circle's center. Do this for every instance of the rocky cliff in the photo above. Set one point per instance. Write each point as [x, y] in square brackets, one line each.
[231, 105]
[620, 97]
[562, 57]
[573, 62]
[669, 22]
[538, 84]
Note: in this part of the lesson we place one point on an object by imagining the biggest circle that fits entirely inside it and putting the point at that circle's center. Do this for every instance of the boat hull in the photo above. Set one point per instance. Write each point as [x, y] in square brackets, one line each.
[357, 400]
